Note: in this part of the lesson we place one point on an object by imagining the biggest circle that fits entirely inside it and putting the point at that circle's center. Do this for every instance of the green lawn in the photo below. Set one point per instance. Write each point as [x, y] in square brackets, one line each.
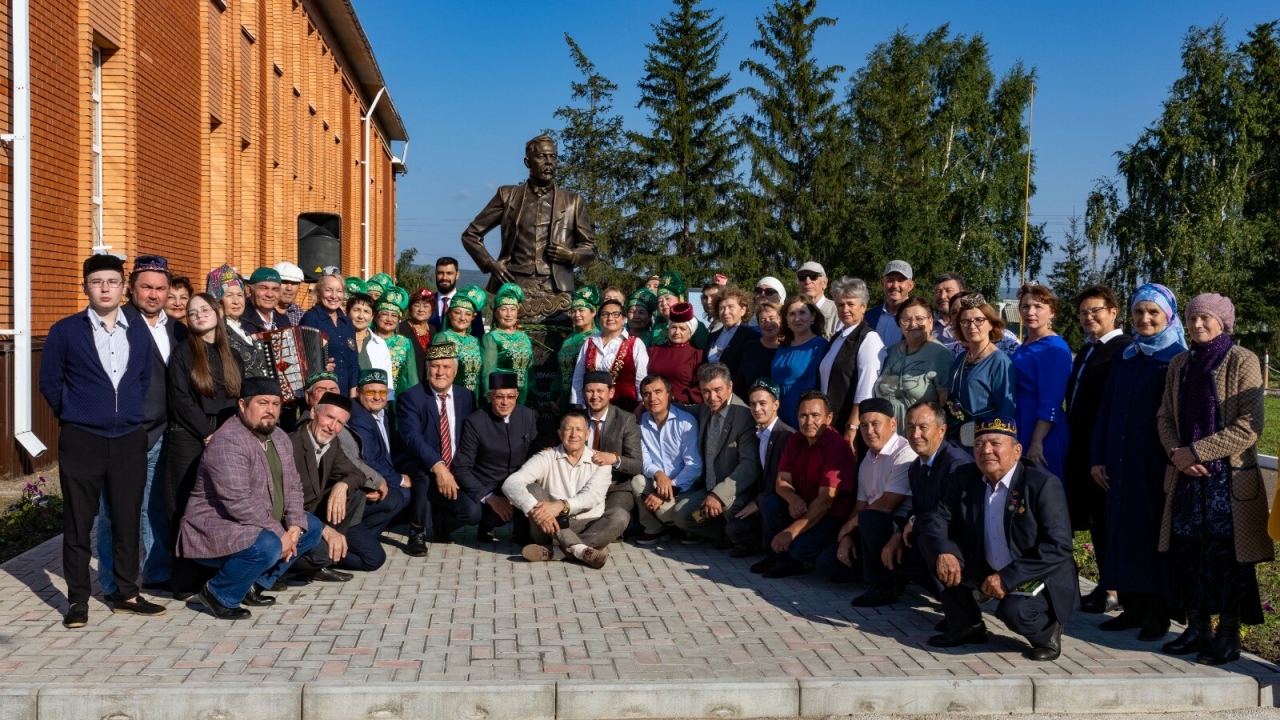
[1270, 443]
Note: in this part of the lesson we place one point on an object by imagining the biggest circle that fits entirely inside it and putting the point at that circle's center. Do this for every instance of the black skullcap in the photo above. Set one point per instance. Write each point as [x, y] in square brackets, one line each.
[102, 261]
[597, 376]
[254, 386]
[503, 381]
[336, 400]
[875, 405]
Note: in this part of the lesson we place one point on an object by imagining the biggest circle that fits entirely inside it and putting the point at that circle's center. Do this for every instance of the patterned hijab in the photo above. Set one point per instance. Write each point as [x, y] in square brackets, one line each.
[1167, 343]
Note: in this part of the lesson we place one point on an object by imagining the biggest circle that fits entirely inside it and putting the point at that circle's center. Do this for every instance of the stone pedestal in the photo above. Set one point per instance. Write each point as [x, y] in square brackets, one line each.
[547, 338]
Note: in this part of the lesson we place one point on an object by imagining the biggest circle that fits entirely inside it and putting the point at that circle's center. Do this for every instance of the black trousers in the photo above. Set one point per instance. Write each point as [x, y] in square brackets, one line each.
[182, 459]
[875, 528]
[89, 466]
[1030, 617]
[317, 558]
[364, 539]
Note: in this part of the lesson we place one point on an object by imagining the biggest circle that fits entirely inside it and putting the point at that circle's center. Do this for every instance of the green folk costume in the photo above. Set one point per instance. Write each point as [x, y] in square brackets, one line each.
[469, 359]
[568, 357]
[404, 366]
[510, 351]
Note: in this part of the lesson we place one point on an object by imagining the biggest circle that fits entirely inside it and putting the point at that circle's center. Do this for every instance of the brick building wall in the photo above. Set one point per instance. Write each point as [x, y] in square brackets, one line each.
[221, 122]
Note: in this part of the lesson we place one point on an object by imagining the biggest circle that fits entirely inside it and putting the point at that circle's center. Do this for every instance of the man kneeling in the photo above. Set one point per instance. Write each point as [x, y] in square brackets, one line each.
[245, 515]
[1003, 527]
[563, 493]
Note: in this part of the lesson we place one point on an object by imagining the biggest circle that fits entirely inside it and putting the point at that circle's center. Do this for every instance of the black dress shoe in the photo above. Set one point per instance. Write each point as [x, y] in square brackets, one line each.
[77, 616]
[329, 574]
[138, 606]
[974, 635]
[218, 610]
[257, 599]
[765, 564]
[1155, 628]
[875, 597]
[417, 546]
[485, 536]
[279, 586]
[183, 595]
[782, 571]
[1051, 649]
[1225, 646]
[940, 626]
[741, 551]
[1192, 640]
[1127, 620]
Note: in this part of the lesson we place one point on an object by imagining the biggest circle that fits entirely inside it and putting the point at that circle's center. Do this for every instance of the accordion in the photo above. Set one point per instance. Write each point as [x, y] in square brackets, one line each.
[293, 354]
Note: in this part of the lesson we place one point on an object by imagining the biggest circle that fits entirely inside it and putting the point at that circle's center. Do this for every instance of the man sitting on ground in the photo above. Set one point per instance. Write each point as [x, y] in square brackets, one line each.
[730, 458]
[672, 461]
[745, 527]
[494, 443]
[614, 439]
[563, 494]
[883, 496]
[1003, 527]
[245, 515]
[814, 491]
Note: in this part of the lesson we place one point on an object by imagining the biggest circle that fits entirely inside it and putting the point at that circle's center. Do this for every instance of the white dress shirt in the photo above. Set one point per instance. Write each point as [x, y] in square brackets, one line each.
[763, 434]
[997, 548]
[886, 471]
[871, 355]
[442, 302]
[1089, 348]
[320, 449]
[605, 355]
[722, 341]
[453, 418]
[112, 345]
[380, 418]
[160, 334]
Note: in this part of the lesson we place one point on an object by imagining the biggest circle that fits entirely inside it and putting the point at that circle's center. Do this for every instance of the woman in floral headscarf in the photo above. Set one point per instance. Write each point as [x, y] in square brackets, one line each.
[1129, 464]
[582, 312]
[506, 347]
[226, 285]
[404, 365]
[1214, 528]
[466, 303]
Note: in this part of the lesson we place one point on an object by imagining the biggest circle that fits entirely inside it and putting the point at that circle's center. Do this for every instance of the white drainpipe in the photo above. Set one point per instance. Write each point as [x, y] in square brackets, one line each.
[20, 140]
[364, 271]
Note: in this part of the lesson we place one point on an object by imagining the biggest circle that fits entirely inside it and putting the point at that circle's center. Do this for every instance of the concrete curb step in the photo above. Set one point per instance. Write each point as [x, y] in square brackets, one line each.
[589, 700]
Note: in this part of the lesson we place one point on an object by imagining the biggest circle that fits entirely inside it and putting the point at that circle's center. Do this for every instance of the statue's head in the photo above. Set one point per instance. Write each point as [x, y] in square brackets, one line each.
[541, 159]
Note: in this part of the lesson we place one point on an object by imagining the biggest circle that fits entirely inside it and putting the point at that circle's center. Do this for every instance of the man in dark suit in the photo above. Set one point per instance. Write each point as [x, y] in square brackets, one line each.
[1098, 311]
[614, 438]
[1003, 528]
[446, 288]
[494, 443]
[429, 417]
[745, 527]
[372, 426]
[331, 488]
[545, 229]
[730, 458]
[148, 290]
[264, 294]
[889, 550]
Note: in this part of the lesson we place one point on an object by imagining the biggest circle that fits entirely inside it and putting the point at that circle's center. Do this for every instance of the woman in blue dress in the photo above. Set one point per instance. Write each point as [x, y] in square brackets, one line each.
[982, 378]
[1044, 366]
[795, 366]
[1129, 463]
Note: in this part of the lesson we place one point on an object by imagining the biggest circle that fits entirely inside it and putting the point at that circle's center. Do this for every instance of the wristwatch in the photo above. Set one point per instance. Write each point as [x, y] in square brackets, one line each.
[565, 511]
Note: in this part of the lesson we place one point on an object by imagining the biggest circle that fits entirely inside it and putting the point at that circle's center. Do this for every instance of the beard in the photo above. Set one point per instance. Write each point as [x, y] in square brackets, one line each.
[265, 426]
[445, 286]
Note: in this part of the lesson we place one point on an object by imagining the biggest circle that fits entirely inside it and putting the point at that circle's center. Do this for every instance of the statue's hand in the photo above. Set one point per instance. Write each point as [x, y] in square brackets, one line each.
[500, 271]
[562, 255]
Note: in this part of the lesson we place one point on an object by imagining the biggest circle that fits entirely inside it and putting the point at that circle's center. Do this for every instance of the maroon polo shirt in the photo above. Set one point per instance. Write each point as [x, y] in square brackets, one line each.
[828, 462]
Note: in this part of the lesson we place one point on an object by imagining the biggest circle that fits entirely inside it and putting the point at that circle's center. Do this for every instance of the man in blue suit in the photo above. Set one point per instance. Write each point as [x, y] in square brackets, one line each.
[1025, 561]
[372, 426]
[493, 443]
[891, 546]
[430, 417]
[446, 287]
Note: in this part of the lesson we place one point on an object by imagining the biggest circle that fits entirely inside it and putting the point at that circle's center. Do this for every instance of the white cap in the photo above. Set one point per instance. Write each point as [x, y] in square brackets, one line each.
[902, 267]
[812, 266]
[770, 281]
[289, 272]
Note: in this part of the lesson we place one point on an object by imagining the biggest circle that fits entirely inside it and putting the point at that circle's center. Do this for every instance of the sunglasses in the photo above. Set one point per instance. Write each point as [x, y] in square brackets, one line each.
[805, 277]
[766, 291]
[374, 393]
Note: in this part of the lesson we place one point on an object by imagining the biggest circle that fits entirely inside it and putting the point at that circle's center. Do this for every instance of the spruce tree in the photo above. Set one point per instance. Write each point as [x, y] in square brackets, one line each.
[684, 210]
[799, 178]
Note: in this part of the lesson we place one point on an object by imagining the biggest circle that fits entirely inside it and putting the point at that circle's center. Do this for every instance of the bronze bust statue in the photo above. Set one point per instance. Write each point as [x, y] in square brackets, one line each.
[545, 233]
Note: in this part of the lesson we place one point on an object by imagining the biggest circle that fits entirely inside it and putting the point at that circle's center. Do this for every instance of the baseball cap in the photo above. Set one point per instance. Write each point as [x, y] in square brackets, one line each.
[902, 267]
[812, 266]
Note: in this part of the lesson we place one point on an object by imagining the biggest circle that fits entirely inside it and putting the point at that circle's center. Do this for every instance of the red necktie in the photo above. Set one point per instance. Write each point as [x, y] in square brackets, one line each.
[446, 443]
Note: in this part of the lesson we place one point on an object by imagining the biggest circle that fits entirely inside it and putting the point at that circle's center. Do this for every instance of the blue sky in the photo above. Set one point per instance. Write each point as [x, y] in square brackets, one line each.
[475, 79]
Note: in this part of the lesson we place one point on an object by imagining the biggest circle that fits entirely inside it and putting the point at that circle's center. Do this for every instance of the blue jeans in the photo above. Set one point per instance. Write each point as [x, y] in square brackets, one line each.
[809, 545]
[260, 563]
[157, 566]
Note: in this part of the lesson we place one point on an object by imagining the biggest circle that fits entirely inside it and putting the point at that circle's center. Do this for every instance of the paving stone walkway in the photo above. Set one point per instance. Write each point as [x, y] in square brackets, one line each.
[483, 614]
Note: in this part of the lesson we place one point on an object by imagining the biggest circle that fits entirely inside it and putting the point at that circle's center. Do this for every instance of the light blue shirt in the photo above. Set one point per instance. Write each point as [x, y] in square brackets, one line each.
[112, 345]
[672, 448]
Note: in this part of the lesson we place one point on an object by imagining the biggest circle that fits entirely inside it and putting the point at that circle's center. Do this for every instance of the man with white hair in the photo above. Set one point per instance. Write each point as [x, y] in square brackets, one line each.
[812, 279]
[290, 280]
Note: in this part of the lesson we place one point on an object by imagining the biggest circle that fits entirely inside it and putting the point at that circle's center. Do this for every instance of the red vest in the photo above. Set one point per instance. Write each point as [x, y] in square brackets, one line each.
[623, 371]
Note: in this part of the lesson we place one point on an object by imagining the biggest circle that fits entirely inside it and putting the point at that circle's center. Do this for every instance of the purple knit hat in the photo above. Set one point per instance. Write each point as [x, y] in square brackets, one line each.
[1213, 305]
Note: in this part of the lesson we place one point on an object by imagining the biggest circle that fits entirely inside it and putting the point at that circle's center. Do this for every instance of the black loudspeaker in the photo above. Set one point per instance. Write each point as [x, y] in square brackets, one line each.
[319, 243]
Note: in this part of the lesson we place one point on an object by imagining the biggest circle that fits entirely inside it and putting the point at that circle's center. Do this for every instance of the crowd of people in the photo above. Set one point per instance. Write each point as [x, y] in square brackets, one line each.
[916, 441]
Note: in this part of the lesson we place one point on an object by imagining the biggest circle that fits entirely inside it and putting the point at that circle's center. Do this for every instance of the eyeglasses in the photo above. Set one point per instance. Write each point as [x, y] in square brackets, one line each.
[973, 322]
[1093, 312]
[766, 291]
[110, 282]
[610, 315]
[194, 314]
[374, 393]
[806, 277]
